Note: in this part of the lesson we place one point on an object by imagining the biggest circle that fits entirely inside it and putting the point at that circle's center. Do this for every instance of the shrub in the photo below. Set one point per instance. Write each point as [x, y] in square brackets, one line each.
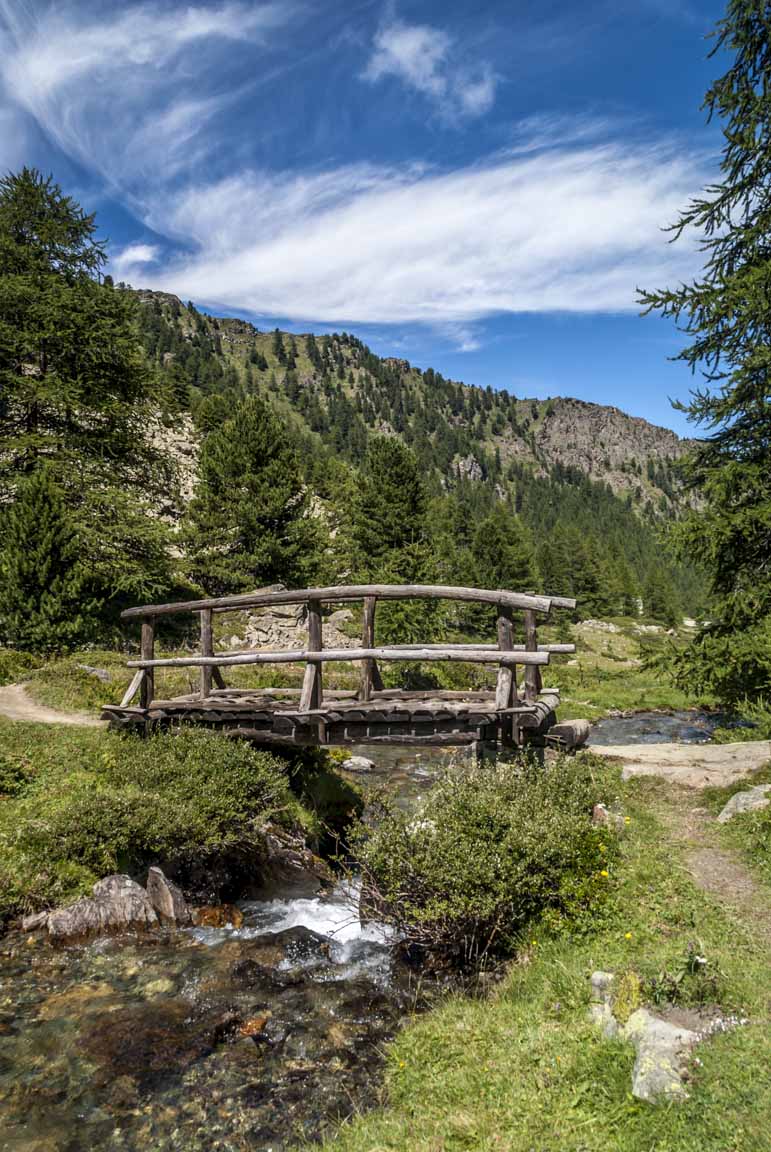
[15, 665]
[116, 803]
[490, 850]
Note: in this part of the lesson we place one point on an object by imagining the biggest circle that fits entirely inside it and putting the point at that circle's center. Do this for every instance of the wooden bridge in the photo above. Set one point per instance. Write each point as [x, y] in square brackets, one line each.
[511, 713]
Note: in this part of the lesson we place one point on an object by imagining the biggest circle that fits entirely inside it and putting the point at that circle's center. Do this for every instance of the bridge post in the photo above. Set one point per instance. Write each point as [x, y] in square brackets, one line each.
[506, 686]
[207, 649]
[370, 673]
[147, 651]
[312, 692]
[532, 671]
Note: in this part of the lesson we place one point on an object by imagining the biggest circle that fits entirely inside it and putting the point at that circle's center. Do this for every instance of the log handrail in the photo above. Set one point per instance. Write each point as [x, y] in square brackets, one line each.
[335, 595]
[309, 656]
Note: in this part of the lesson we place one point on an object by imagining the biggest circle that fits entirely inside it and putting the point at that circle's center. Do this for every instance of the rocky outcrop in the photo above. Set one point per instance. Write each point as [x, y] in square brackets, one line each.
[751, 800]
[118, 903]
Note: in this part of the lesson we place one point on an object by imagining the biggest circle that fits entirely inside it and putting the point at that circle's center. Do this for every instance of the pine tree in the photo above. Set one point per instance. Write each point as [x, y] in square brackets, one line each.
[74, 382]
[47, 603]
[725, 313]
[390, 509]
[247, 525]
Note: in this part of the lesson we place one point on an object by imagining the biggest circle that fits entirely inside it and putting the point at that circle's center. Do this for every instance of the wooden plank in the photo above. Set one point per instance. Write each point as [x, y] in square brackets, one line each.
[311, 694]
[147, 649]
[207, 649]
[133, 687]
[347, 592]
[471, 656]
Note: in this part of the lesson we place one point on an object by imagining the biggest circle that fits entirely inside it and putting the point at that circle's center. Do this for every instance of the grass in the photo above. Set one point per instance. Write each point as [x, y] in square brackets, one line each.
[749, 834]
[523, 1070]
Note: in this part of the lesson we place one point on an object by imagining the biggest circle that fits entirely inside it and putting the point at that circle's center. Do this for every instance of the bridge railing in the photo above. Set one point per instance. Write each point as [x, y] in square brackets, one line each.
[506, 653]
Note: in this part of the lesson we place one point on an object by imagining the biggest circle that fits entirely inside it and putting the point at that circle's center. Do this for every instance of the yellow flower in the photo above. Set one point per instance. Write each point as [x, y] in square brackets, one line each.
[627, 819]
[602, 847]
[627, 935]
[604, 872]
[402, 1064]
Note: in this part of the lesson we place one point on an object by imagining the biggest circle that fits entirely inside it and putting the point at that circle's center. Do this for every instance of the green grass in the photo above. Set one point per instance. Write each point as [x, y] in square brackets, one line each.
[524, 1071]
[748, 834]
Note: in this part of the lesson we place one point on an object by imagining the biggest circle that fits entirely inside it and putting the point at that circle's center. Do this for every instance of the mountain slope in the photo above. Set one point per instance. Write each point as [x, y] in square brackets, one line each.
[335, 387]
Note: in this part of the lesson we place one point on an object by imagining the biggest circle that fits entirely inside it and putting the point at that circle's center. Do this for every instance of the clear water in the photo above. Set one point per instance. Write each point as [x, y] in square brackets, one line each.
[690, 727]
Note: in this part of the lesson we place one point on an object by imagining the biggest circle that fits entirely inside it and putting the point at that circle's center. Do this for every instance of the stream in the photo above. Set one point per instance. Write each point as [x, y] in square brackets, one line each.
[255, 1038]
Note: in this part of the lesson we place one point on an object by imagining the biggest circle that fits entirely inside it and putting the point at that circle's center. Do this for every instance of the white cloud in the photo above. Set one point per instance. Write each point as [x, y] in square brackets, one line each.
[133, 258]
[127, 93]
[573, 228]
[425, 58]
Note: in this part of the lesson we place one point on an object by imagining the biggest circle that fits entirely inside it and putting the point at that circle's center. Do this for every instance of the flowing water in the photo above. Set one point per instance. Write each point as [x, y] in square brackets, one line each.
[687, 727]
[209, 1038]
[254, 1038]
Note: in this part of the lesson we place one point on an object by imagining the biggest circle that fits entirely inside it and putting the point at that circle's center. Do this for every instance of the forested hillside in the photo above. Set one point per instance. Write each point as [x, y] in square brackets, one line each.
[575, 494]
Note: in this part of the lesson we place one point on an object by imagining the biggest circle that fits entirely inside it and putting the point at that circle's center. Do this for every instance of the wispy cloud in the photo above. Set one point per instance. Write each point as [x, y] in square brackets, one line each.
[564, 229]
[427, 60]
[130, 93]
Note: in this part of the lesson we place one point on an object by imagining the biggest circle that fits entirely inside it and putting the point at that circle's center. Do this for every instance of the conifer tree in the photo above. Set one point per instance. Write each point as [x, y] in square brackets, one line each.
[47, 601]
[725, 313]
[390, 509]
[247, 525]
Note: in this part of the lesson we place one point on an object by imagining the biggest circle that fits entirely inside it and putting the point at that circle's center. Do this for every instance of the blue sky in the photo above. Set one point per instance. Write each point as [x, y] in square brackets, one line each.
[479, 187]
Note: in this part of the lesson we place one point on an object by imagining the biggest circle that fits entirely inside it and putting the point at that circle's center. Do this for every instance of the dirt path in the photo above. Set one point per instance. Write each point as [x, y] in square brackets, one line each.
[695, 765]
[17, 704]
[715, 869]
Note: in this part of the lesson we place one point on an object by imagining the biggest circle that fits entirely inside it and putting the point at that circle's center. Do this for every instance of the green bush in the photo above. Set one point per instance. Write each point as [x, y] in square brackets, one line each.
[15, 665]
[116, 803]
[490, 850]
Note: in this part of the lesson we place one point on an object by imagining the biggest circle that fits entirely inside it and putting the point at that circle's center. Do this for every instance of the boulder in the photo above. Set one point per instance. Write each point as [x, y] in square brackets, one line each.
[166, 898]
[118, 903]
[357, 764]
[341, 616]
[218, 916]
[751, 800]
[289, 867]
[661, 1051]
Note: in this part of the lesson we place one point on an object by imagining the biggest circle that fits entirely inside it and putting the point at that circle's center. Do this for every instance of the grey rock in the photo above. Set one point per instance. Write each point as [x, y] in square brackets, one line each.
[751, 800]
[358, 764]
[661, 1050]
[166, 898]
[341, 616]
[36, 920]
[600, 1010]
[118, 903]
[602, 987]
[100, 673]
[604, 817]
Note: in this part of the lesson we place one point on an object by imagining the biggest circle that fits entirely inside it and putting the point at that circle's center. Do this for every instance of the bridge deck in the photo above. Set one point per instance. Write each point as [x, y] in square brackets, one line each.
[273, 716]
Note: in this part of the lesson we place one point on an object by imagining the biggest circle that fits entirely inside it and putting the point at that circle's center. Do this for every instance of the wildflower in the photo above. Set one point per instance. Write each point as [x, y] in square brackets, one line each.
[402, 1063]
[627, 935]
[627, 819]
[533, 942]
[604, 872]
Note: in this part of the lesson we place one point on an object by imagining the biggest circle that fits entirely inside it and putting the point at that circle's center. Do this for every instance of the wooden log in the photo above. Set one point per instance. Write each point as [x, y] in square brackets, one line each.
[506, 686]
[301, 655]
[370, 673]
[133, 687]
[563, 649]
[217, 676]
[311, 694]
[207, 649]
[532, 675]
[347, 592]
[147, 649]
[569, 733]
